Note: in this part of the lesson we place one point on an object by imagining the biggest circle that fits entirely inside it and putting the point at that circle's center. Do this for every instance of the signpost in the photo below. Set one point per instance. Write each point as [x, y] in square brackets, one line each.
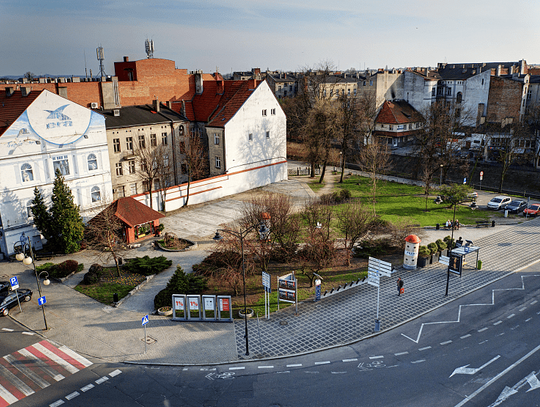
[144, 322]
[376, 269]
[14, 285]
[42, 301]
[267, 290]
[481, 177]
[287, 289]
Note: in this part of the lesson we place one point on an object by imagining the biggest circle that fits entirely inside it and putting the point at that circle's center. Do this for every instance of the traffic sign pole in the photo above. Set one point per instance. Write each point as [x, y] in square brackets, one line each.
[14, 281]
[481, 177]
[144, 322]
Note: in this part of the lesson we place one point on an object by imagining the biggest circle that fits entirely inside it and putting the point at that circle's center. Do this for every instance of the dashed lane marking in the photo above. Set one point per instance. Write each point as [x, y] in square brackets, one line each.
[534, 302]
[57, 403]
[87, 387]
[481, 343]
[265, 367]
[445, 343]
[497, 323]
[338, 372]
[482, 330]
[295, 365]
[528, 319]
[8, 329]
[425, 348]
[522, 309]
[401, 353]
[237, 368]
[511, 316]
[73, 395]
[350, 360]
[102, 380]
[115, 373]
[326, 362]
[28, 333]
[376, 357]
[418, 361]
[465, 336]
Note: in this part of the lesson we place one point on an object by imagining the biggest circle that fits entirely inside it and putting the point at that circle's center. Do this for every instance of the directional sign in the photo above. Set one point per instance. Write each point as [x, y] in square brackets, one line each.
[42, 300]
[145, 320]
[470, 370]
[266, 281]
[465, 180]
[14, 282]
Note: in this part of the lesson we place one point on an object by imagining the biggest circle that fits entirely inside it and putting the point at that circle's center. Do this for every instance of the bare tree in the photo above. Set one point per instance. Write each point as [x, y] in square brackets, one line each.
[375, 159]
[164, 171]
[151, 162]
[353, 221]
[196, 159]
[104, 233]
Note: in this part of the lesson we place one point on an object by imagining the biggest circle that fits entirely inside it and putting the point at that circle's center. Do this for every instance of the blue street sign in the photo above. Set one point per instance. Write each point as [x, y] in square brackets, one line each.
[42, 300]
[14, 283]
[317, 292]
[145, 320]
[465, 180]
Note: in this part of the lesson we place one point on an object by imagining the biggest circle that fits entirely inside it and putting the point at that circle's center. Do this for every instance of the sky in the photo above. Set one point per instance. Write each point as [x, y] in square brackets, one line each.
[60, 37]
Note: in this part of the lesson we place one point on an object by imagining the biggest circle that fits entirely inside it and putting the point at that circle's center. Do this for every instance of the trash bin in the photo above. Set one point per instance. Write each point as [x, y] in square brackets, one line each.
[437, 226]
[479, 265]
[492, 223]
[506, 213]
[115, 297]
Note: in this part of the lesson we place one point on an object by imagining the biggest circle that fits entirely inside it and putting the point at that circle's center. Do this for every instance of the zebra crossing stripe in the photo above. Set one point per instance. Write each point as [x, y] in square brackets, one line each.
[57, 359]
[6, 398]
[20, 384]
[29, 353]
[74, 358]
[18, 363]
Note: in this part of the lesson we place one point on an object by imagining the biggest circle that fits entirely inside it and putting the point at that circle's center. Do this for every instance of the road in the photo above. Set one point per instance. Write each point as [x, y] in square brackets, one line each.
[481, 350]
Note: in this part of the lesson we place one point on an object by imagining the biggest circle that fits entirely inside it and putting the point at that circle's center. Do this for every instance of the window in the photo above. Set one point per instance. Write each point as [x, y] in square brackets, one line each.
[342, 92]
[432, 91]
[164, 139]
[218, 162]
[166, 160]
[370, 83]
[92, 162]
[348, 92]
[96, 194]
[119, 171]
[364, 83]
[119, 192]
[390, 127]
[448, 91]
[182, 147]
[142, 141]
[129, 143]
[216, 139]
[273, 111]
[181, 130]
[61, 163]
[133, 189]
[153, 140]
[264, 112]
[27, 172]
[157, 184]
[482, 81]
[146, 186]
[183, 168]
[354, 91]
[116, 145]
[29, 209]
[131, 167]
[250, 137]
[267, 134]
[459, 97]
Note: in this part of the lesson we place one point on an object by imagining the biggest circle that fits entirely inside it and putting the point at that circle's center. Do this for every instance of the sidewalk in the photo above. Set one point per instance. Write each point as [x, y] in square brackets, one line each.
[116, 334]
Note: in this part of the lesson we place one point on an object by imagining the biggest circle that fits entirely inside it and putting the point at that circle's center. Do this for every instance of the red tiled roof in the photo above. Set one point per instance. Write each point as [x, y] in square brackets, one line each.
[133, 213]
[11, 107]
[398, 112]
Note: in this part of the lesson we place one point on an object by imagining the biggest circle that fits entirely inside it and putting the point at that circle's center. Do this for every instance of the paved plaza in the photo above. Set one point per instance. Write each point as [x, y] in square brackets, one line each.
[116, 334]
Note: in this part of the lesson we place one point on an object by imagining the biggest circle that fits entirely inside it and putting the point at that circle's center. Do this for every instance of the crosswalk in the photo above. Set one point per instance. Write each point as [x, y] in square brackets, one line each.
[35, 367]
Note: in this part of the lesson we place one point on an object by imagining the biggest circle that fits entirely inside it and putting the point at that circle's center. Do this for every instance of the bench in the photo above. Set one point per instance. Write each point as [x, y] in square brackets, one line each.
[482, 223]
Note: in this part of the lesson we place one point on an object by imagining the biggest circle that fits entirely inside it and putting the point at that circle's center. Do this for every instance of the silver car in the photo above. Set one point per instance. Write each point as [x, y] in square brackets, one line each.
[499, 202]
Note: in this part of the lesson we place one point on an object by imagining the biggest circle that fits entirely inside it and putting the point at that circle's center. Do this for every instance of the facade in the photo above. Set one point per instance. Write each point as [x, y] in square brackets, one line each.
[40, 133]
[398, 122]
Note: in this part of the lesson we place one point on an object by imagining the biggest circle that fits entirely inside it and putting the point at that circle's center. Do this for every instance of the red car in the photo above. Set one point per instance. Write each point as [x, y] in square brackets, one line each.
[532, 210]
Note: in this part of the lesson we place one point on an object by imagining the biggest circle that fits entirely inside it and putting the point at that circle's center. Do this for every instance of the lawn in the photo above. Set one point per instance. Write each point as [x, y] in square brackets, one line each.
[110, 284]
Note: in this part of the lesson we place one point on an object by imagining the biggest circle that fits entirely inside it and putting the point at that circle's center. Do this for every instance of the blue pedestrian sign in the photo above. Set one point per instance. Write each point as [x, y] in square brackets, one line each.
[145, 320]
[42, 300]
[14, 281]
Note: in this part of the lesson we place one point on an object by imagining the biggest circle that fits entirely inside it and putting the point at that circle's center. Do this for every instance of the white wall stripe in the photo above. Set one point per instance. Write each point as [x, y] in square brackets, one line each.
[55, 358]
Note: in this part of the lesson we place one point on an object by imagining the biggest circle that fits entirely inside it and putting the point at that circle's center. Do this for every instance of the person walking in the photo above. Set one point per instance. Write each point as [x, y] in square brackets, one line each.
[399, 286]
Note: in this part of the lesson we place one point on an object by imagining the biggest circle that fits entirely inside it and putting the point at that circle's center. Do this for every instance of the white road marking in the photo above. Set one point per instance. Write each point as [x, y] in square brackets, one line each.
[376, 357]
[534, 302]
[338, 372]
[83, 361]
[528, 319]
[511, 316]
[465, 336]
[501, 334]
[445, 343]
[323, 363]
[206, 369]
[57, 403]
[73, 395]
[237, 368]
[389, 367]
[102, 379]
[425, 348]
[482, 330]
[55, 358]
[285, 371]
[481, 343]
[522, 309]
[7, 396]
[350, 360]
[266, 367]
[401, 353]
[87, 387]
[295, 365]
[418, 361]
[7, 329]
[28, 333]
[473, 370]
[497, 323]
[115, 373]
[310, 371]
[517, 326]
[184, 369]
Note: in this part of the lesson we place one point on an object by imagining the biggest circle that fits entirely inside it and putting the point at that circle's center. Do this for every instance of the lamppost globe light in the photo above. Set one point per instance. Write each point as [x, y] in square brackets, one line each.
[19, 256]
[27, 261]
[46, 282]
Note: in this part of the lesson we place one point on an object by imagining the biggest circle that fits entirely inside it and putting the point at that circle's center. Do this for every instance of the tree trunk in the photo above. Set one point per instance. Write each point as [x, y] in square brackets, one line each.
[322, 172]
[342, 168]
[312, 169]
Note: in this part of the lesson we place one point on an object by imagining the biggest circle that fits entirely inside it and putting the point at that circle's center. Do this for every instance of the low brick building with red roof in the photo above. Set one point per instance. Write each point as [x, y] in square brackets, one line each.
[398, 122]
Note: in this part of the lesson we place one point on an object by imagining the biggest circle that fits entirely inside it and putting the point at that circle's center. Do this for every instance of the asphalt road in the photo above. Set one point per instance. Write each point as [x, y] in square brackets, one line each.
[482, 350]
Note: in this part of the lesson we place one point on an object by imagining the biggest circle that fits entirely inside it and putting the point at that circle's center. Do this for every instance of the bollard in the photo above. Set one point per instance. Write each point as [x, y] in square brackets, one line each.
[115, 297]
[437, 226]
[492, 223]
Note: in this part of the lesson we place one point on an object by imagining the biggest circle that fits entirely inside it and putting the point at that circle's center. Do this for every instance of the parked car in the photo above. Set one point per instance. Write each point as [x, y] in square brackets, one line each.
[532, 210]
[499, 202]
[4, 286]
[516, 206]
[9, 300]
[472, 196]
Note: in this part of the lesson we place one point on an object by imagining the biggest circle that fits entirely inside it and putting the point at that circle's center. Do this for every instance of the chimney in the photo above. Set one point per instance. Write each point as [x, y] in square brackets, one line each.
[252, 84]
[126, 59]
[25, 91]
[198, 82]
[9, 91]
[426, 71]
[498, 73]
[156, 105]
[169, 104]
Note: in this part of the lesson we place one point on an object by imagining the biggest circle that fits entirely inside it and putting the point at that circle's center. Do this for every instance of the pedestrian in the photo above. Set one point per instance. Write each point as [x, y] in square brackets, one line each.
[399, 286]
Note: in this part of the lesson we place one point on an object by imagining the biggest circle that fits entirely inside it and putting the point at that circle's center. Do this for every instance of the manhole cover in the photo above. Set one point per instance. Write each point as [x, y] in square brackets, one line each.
[283, 323]
[149, 340]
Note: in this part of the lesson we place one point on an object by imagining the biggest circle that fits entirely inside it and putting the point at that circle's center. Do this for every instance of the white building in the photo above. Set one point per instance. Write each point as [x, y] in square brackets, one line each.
[41, 132]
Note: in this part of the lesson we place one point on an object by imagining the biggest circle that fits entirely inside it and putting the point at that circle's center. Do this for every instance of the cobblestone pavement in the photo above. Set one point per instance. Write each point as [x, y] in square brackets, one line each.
[349, 316]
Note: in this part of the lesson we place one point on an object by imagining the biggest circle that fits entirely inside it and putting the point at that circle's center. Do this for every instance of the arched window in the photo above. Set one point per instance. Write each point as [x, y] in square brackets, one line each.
[27, 172]
[459, 97]
[29, 209]
[96, 194]
[92, 162]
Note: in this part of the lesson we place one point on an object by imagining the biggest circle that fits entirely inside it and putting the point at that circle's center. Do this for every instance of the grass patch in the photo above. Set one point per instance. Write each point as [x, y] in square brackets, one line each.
[315, 185]
[111, 283]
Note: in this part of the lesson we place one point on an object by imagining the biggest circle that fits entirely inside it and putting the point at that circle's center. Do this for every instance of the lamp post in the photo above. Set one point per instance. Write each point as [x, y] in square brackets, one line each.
[22, 247]
[440, 180]
[263, 231]
[451, 248]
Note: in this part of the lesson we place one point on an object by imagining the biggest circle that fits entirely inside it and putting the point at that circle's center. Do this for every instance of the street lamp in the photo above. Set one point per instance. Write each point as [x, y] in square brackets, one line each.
[22, 248]
[451, 248]
[263, 231]
[440, 180]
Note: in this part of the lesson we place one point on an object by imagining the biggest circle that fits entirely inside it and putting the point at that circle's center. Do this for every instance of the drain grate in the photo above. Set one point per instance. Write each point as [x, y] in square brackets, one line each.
[283, 323]
[149, 340]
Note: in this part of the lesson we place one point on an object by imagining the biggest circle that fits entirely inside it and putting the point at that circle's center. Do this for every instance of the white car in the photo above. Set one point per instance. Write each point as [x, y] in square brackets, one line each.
[499, 202]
